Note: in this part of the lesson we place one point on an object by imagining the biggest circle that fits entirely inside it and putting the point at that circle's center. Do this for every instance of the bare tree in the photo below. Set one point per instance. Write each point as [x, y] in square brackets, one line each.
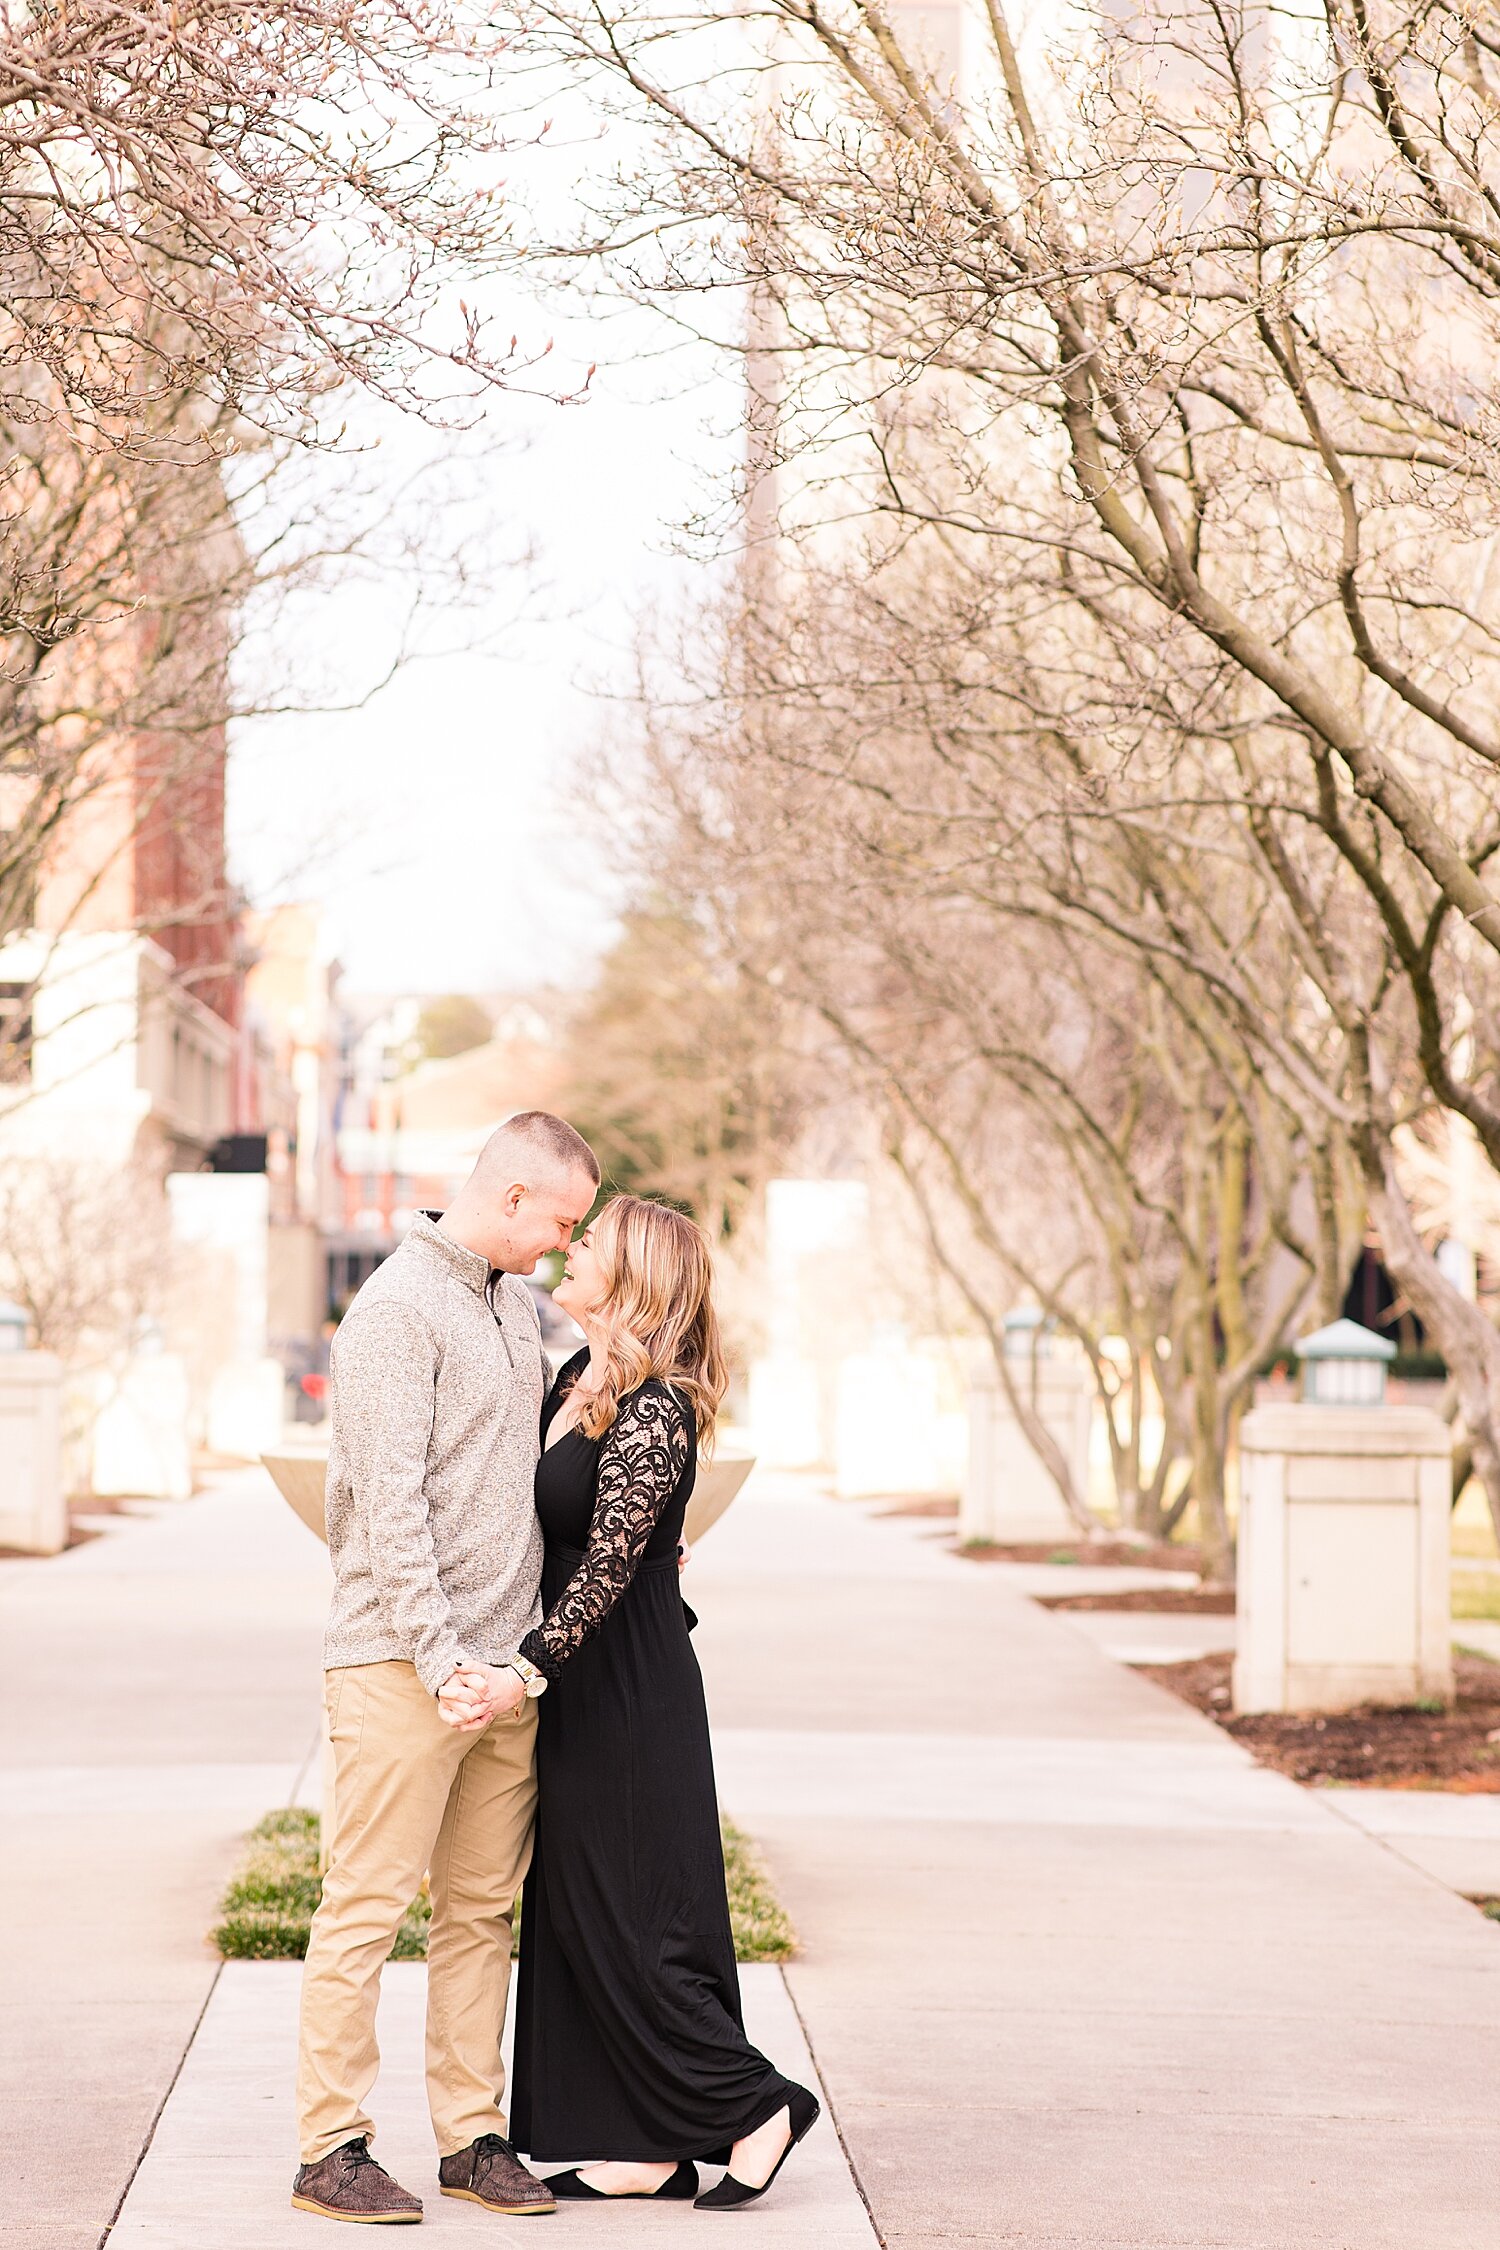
[246, 209]
[677, 1071]
[1074, 1116]
[1170, 354]
[215, 223]
[86, 1252]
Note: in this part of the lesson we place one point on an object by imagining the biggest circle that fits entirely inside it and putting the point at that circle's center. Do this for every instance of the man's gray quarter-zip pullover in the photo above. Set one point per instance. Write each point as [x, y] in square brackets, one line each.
[436, 1380]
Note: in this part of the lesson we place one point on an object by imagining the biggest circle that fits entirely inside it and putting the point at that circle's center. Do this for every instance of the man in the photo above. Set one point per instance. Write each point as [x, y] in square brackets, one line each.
[437, 1378]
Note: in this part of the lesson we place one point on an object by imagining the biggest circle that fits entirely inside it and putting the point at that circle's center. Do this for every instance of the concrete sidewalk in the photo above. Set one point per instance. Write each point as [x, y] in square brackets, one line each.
[241, 2068]
[158, 1692]
[1075, 1971]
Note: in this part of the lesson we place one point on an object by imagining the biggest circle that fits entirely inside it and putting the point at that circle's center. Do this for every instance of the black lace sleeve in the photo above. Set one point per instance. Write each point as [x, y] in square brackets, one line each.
[641, 1457]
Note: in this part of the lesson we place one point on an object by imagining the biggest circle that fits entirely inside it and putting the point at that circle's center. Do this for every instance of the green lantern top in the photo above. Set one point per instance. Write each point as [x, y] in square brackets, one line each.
[1344, 1365]
[1028, 1333]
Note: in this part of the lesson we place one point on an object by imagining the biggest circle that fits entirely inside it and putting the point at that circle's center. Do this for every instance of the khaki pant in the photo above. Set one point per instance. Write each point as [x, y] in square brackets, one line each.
[413, 1797]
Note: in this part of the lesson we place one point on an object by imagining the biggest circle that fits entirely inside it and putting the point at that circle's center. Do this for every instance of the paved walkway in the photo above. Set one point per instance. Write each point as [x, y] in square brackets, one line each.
[1075, 1971]
[156, 1695]
[241, 2067]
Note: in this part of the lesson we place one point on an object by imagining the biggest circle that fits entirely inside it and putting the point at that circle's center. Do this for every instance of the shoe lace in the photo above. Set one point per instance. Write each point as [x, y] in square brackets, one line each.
[491, 2145]
[357, 2157]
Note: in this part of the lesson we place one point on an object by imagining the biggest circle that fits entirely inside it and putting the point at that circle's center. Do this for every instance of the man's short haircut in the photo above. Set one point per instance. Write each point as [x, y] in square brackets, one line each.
[538, 1131]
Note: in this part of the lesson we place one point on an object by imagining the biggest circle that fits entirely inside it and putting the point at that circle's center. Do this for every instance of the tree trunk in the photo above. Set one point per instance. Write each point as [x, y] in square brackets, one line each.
[1045, 1445]
[1464, 1336]
[1208, 1458]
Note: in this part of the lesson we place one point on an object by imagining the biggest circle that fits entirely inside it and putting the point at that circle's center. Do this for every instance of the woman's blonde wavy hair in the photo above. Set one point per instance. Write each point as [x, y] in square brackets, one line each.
[657, 1311]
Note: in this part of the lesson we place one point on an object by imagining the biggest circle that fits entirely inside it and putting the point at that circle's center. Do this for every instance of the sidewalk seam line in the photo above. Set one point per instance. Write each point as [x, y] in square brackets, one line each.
[859, 2185]
[114, 2219]
[1393, 1851]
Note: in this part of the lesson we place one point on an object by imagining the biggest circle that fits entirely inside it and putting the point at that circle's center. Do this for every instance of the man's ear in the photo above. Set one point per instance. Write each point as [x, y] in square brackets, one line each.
[515, 1195]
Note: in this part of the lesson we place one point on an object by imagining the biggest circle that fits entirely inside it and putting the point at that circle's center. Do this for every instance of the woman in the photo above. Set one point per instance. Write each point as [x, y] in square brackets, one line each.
[629, 2039]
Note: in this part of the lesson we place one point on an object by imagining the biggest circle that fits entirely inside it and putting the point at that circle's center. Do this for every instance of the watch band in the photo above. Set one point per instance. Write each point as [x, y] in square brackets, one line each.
[534, 1682]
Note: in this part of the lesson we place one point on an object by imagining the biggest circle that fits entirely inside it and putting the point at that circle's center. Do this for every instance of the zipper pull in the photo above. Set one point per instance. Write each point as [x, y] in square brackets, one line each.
[492, 1299]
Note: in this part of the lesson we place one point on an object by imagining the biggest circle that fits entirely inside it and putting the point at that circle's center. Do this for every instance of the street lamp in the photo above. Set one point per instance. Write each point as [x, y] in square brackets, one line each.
[1027, 1334]
[1344, 1365]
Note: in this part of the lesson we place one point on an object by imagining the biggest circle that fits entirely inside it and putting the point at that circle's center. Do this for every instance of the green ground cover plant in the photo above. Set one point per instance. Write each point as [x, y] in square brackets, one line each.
[268, 1907]
[1476, 1595]
[762, 1931]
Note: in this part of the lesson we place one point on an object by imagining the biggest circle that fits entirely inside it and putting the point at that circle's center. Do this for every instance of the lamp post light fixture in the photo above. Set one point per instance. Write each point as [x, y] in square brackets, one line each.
[1008, 1490]
[1027, 1333]
[33, 1504]
[1345, 1502]
[1344, 1365]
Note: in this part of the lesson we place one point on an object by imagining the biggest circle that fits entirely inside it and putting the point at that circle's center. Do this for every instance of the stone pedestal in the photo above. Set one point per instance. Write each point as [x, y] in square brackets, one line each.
[222, 1222]
[899, 1424]
[1008, 1493]
[1343, 1558]
[817, 1313]
[33, 1502]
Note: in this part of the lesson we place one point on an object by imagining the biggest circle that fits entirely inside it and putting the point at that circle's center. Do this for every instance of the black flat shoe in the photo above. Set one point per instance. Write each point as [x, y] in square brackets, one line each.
[732, 2194]
[569, 2188]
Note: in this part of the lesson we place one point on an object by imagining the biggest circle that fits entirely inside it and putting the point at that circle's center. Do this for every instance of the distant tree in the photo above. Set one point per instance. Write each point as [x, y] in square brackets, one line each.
[676, 1071]
[86, 1250]
[452, 1024]
[218, 224]
[1164, 342]
[246, 209]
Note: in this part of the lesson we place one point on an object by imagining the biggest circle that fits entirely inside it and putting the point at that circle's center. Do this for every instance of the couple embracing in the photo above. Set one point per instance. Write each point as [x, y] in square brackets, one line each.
[511, 1692]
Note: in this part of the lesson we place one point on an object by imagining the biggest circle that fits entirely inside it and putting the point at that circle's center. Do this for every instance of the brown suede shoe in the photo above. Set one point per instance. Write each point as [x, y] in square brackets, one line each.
[349, 2184]
[489, 2172]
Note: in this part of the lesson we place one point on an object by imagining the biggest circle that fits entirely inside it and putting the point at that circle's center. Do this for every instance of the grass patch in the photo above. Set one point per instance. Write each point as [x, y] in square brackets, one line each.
[1476, 1595]
[267, 1910]
[757, 1916]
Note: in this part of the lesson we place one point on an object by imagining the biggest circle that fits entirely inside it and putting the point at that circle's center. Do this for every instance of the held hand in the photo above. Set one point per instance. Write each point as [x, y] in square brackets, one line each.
[684, 1556]
[478, 1693]
[459, 1700]
[463, 1704]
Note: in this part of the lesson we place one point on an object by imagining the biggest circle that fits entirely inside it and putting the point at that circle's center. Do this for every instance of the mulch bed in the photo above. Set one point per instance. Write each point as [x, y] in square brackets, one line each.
[1383, 1749]
[1108, 1554]
[1163, 1601]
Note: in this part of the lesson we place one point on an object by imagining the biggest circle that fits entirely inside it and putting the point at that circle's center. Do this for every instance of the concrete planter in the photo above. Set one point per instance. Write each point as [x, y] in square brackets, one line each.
[33, 1503]
[1343, 1558]
[1008, 1492]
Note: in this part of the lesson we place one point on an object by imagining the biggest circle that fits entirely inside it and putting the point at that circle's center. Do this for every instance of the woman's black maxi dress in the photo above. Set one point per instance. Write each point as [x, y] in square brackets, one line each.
[630, 2044]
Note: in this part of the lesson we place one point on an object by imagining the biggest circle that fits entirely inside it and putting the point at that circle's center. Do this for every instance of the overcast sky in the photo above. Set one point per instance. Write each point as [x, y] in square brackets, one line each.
[437, 825]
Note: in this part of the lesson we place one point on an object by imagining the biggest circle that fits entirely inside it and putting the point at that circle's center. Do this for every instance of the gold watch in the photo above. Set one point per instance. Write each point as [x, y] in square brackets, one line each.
[534, 1682]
